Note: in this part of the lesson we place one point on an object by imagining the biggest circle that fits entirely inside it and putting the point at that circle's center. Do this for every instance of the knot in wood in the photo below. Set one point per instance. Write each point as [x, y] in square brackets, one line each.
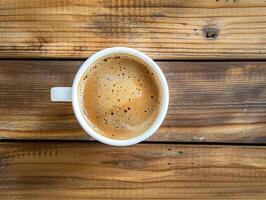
[210, 32]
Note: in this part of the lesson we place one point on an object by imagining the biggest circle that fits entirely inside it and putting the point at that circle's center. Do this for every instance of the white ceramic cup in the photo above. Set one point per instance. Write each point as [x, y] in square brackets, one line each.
[71, 94]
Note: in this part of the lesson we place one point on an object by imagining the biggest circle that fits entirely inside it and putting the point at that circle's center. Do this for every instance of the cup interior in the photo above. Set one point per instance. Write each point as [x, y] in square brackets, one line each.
[161, 80]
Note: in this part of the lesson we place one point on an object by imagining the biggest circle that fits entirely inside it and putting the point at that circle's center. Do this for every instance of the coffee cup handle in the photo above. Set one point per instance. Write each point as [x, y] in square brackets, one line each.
[61, 94]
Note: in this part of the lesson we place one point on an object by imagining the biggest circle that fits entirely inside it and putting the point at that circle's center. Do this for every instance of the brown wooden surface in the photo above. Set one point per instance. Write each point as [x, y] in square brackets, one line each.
[235, 29]
[212, 101]
[209, 101]
[148, 171]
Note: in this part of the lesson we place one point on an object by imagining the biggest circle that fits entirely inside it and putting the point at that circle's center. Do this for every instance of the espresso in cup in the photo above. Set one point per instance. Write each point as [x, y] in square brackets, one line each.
[120, 96]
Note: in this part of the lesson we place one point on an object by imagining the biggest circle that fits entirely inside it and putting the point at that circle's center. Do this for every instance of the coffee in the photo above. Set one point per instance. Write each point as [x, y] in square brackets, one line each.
[120, 96]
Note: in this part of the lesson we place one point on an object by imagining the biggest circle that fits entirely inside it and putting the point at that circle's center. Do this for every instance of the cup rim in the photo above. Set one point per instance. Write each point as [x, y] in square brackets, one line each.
[164, 102]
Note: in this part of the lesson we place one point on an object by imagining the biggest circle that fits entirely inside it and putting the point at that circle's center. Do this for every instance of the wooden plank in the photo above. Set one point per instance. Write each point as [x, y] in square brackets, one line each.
[209, 101]
[177, 29]
[149, 171]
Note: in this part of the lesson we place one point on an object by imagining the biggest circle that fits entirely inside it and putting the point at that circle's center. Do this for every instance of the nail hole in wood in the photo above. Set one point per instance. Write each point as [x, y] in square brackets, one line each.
[210, 33]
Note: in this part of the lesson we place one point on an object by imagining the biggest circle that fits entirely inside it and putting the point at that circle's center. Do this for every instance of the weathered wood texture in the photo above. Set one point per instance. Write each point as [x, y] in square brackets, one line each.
[177, 29]
[209, 101]
[149, 171]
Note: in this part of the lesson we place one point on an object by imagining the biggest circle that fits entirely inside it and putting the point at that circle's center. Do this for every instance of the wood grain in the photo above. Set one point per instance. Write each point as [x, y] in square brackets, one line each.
[176, 29]
[209, 102]
[149, 171]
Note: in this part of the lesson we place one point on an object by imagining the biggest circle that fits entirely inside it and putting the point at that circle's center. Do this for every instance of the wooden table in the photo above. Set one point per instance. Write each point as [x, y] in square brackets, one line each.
[212, 142]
